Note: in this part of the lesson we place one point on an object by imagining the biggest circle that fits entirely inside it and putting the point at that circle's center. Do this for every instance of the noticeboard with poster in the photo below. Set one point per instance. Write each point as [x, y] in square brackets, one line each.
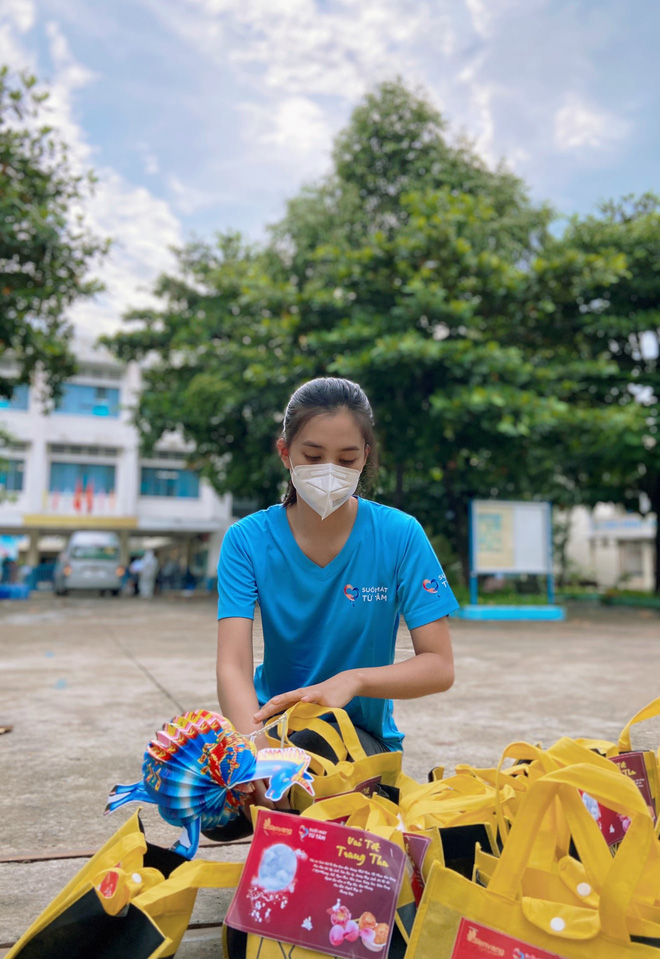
[511, 537]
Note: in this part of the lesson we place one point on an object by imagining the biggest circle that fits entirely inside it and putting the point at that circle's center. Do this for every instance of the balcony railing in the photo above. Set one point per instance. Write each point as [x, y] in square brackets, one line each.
[85, 503]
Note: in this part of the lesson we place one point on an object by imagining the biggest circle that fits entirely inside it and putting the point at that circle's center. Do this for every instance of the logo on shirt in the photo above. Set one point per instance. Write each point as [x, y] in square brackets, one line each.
[368, 594]
[433, 585]
[351, 593]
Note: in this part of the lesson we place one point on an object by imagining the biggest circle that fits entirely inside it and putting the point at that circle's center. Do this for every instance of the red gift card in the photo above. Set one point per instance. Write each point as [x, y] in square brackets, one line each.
[319, 885]
[634, 766]
[416, 847]
[475, 941]
[614, 825]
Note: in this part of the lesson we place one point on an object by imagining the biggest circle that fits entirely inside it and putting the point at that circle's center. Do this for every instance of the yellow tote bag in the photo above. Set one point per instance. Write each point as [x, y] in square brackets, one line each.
[354, 766]
[457, 918]
[120, 905]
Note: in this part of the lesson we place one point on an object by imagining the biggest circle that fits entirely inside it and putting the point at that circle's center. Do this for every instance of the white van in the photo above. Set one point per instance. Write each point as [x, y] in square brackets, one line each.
[90, 561]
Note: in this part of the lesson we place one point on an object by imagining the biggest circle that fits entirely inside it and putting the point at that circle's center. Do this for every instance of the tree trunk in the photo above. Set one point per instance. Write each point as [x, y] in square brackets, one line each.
[398, 489]
[655, 506]
[459, 506]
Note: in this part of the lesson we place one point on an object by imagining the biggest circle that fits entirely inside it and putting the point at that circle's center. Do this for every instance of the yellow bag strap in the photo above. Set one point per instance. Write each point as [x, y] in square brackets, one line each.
[198, 874]
[440, 789]
[362, 812]
[568, 752]
[376, 815]
[517, 751]
[647, 712]
[308, 716]
[325, 810]
[624, 876]
[607, 786]
[602, 746]
[464, 810]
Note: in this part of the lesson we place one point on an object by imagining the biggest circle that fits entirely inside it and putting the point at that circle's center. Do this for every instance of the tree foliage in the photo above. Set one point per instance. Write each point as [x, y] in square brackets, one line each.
[436, 284]
[45, 251]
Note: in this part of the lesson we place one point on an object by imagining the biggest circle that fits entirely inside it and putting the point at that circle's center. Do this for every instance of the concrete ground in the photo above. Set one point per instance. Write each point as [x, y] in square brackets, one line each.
[86, 682]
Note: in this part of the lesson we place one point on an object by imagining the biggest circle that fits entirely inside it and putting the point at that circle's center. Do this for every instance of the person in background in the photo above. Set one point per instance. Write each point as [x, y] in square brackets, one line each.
[134, 569]
[148, 573]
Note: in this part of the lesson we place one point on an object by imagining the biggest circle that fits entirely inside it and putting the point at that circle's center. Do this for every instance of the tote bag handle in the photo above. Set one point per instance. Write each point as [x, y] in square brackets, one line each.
[647, 712]
[610, 787]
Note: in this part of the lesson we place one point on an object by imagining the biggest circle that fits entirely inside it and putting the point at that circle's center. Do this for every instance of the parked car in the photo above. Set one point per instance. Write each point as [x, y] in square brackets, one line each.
[89, 561]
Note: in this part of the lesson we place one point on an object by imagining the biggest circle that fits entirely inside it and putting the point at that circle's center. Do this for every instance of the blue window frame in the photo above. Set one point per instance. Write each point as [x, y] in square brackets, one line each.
[71, 477]
[11, 475]
[159, 481]
[80, 400]
[18, 399]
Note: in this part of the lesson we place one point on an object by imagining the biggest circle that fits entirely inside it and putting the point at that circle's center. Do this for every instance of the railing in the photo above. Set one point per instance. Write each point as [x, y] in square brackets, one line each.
[85, 503]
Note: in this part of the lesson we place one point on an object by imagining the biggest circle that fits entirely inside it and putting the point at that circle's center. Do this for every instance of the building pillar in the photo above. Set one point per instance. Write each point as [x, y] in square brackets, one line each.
[33, 548]
[124, 552]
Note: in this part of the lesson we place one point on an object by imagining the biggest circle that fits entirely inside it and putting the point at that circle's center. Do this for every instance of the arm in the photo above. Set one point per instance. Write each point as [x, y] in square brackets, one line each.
[236, 693]
[430, 670]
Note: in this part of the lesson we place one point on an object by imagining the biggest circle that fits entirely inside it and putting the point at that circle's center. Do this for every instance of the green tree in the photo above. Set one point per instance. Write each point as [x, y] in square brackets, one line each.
[45, 251]
[623, 326]
[219, 363]
[428, 278]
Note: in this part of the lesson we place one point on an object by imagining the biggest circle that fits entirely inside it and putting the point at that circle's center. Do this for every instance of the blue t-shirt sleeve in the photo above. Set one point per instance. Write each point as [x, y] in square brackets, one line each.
[237, 586]
[423, 592]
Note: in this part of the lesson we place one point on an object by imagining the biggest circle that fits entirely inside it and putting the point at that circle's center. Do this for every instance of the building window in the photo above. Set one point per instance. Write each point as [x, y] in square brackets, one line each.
[81, 477]
[11, 476]
[632, 558]
[169, 482]
[79, 400]
[18, 399]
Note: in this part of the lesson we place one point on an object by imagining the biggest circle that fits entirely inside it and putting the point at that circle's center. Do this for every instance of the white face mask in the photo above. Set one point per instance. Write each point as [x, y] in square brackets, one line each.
[325, 487]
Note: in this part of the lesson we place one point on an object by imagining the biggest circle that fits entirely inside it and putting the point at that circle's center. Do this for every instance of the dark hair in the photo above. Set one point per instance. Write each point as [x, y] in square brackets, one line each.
[330, 394]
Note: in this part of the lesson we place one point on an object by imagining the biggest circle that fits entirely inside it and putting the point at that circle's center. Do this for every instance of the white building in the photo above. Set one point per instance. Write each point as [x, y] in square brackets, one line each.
[79, 467]
[613, 548]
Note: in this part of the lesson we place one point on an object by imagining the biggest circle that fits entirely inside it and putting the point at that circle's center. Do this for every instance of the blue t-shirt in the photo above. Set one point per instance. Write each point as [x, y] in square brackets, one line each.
[318, 621]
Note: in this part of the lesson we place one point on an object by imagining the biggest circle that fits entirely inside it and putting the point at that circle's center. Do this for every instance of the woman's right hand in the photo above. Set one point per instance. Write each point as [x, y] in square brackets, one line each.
[256, 796]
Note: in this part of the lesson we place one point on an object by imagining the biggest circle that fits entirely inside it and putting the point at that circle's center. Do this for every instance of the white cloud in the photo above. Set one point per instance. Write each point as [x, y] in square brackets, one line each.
[188, 199]
[142, 226]
[578, 125]
[16, 17]
[20, 13]
[300, 49]
[69, 76]
[481, 16]
[151, 165]
[294, 125]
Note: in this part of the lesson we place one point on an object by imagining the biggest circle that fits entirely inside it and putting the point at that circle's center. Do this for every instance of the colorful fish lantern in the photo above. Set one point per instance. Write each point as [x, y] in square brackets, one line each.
[192, 768]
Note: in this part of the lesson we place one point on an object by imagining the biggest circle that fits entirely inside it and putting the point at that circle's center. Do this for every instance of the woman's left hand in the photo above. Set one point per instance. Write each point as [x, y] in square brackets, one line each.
[334, 692]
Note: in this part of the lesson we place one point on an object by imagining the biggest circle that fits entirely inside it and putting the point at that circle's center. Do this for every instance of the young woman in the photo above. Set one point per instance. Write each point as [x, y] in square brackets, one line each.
[332, 572]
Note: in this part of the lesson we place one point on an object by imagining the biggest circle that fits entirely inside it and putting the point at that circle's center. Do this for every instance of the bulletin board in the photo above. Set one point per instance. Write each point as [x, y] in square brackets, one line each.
[510, 537]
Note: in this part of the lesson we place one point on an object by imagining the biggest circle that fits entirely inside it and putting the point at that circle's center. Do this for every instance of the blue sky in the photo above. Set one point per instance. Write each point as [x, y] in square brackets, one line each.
[200, 115]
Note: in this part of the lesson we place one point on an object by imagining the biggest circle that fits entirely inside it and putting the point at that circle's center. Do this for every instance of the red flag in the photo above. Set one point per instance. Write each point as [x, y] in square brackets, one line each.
[77, 496]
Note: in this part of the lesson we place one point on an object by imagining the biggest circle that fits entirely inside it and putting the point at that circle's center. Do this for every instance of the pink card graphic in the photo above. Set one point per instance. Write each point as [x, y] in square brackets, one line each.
[319, 885]
[474, 941]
